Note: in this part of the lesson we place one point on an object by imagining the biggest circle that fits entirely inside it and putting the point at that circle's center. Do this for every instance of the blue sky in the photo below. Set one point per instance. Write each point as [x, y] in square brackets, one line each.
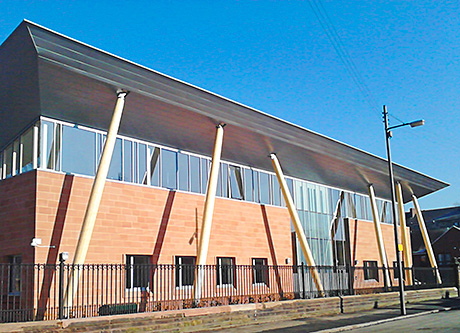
[276, 57]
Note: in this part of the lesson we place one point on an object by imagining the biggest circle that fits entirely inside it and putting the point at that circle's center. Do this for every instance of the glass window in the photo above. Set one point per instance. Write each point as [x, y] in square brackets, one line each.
[255, 178]
[204, 174]
[47, 144]
[138, 271]
[225, 271]
[219, 182]
[185, 271]
[371, 271]
[7, 161]
[135, 169]
[127, 161]
[275, 191]
[236, 182]
[248, 185]
[78, 151]
[195, 174]
[168, 169]
[15, 274]
[15, 159]
[224, 168]
[264, 179]
[154, 166]
[183, 172]
[115, 170]
[27, 142]
[259, 271]
[142, 164]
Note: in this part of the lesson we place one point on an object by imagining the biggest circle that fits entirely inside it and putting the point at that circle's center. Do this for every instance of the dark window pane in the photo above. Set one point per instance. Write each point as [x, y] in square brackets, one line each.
[260, 270]
[154, 166]
[15, 274]
[78, 151]
[7, 160]
[27, 142]
[195, 174]
[115, 165]
[185, 271]
[225, 271]
[138, 271]
[168, 169]
[236, 182]
[127, 161]
[183, 172]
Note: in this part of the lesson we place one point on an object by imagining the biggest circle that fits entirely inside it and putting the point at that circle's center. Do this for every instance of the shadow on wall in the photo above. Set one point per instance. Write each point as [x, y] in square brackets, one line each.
[163, 227]
[272, 248]
[53, 253]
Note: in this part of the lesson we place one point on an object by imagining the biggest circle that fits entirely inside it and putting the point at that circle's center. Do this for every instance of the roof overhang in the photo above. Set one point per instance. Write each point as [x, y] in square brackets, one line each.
[78, 83]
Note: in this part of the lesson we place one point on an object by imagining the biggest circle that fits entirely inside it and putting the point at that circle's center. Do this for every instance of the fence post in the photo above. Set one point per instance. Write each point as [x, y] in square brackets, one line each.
[302, 277]
[63, 256]
[385, 271]
[351, 279]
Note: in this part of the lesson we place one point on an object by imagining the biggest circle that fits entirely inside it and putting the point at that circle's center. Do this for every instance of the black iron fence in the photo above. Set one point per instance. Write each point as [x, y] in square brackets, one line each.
[40, 292]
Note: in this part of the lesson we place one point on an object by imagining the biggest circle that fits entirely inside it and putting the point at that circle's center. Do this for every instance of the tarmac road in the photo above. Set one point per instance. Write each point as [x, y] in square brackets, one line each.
[446, 321]
[431, 316]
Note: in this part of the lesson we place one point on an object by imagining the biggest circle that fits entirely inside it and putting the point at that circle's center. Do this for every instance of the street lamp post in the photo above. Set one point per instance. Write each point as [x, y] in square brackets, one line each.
[388, 135]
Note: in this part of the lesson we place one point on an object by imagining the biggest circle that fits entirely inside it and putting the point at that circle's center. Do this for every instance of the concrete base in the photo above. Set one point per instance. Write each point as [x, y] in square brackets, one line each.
[201, 319]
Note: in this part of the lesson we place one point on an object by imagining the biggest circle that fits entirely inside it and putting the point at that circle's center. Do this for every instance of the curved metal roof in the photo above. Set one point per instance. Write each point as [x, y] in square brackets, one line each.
[75, 82]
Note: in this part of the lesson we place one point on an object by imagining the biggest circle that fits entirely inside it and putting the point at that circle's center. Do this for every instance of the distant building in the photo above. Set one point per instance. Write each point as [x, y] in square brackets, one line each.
[443, 228]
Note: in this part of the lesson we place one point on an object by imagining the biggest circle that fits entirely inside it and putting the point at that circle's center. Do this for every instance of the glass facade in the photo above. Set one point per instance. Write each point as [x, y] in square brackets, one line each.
[74, 149]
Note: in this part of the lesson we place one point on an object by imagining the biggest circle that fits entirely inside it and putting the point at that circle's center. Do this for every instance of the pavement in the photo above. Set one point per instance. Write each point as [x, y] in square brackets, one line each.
[352, 321]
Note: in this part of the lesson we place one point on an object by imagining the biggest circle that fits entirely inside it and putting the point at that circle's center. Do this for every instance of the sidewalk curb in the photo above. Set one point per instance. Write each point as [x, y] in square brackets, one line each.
[382, 321]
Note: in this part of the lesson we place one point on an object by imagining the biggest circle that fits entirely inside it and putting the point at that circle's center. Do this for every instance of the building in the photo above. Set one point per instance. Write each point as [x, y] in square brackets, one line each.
[442, 226]
[58, 97]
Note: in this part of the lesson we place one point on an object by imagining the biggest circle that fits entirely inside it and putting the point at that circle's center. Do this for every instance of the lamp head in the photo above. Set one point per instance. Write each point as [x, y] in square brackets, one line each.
[417, 123]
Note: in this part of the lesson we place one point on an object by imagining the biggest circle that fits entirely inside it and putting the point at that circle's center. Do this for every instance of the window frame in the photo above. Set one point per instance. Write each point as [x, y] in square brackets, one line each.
[146, 269]
[264, 272]
[179, 271]
[371, 271]
[15, 275]
[231, 268]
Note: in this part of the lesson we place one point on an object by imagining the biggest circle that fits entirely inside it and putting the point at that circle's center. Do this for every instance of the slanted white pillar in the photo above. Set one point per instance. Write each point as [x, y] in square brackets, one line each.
[95, 199]
[426, 239]
[407, 251]
[297, 225]
[378, 234]
[208, 212]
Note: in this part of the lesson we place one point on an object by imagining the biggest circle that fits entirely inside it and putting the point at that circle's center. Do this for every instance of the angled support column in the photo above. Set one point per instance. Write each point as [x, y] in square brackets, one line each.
[378, 234]
[208, 212]
[426, 239]
[95, 199]
[404, 235]
[297, 225]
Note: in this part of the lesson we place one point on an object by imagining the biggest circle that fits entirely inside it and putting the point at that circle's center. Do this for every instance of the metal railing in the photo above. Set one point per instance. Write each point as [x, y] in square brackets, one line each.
[37, 291]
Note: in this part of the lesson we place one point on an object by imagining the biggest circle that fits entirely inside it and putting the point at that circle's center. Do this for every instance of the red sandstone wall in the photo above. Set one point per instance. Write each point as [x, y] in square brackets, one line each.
[17, 216]
[364, 242]
[139, 220]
